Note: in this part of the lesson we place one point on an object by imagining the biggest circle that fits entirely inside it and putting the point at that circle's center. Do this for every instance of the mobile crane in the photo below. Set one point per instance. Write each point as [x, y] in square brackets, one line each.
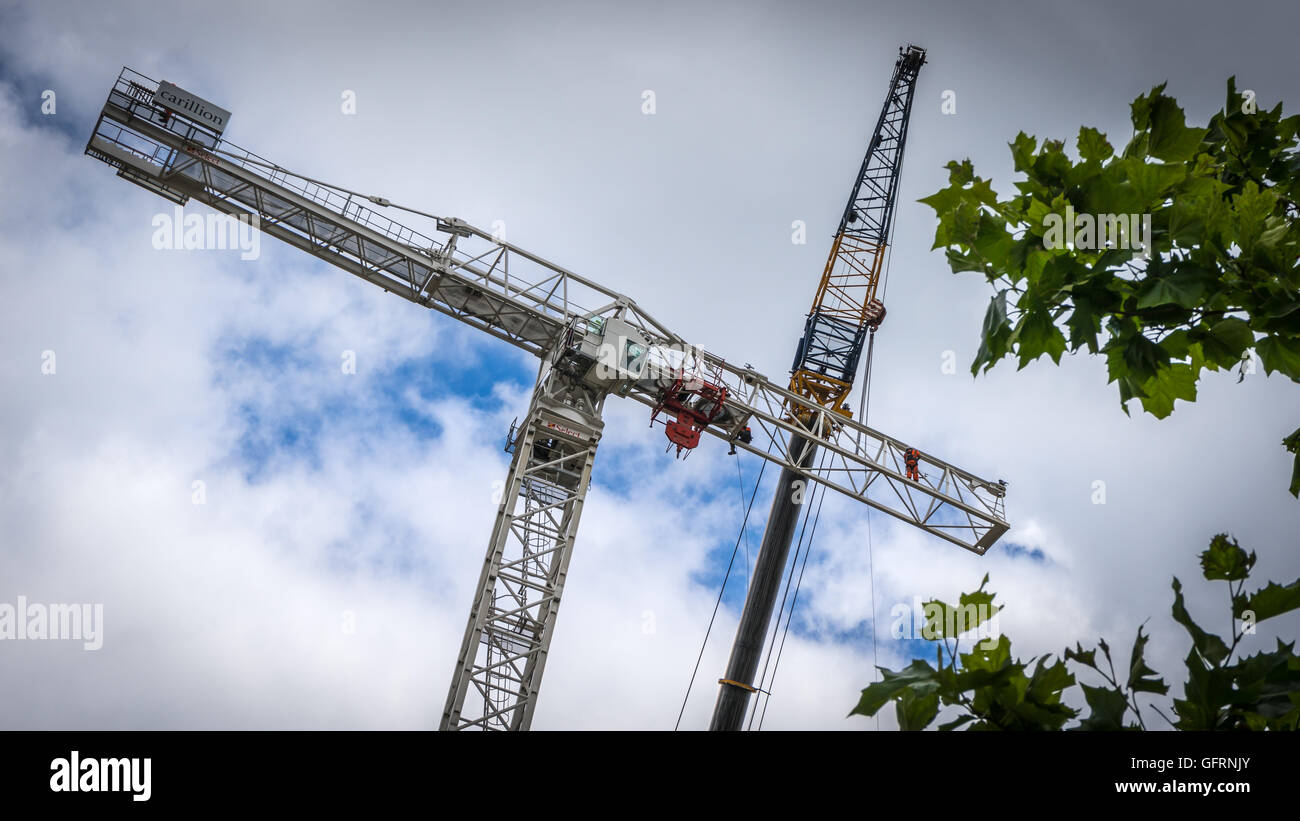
[845, 310]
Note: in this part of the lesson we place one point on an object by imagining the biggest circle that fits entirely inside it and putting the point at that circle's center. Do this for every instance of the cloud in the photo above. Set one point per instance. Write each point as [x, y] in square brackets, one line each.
[326, 577]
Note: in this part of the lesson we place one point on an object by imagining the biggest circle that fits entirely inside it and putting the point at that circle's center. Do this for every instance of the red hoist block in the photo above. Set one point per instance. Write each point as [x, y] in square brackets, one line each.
[875, 314]
[695, 403]
[682, 432]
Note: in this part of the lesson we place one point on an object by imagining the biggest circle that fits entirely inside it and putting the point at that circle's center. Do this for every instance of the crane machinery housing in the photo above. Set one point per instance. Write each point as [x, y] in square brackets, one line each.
[591, 342]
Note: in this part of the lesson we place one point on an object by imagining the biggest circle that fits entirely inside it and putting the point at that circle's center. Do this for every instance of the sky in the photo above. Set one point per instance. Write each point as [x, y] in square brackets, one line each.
[277, 543]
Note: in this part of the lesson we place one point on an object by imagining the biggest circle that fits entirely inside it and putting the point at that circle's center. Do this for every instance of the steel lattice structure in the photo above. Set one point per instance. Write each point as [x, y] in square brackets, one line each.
[464, 272]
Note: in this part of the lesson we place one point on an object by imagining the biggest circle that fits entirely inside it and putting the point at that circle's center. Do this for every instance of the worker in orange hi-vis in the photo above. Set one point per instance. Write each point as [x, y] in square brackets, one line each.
[912, 458]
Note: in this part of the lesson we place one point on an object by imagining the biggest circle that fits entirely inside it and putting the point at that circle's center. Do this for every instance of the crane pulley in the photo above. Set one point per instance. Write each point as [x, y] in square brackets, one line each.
[695, 403]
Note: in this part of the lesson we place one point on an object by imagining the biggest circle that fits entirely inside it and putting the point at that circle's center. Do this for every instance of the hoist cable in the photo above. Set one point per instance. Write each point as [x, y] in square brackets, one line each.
[776, 628]
[740, 485]
[794, 601]
[864, 407]
[721, 590]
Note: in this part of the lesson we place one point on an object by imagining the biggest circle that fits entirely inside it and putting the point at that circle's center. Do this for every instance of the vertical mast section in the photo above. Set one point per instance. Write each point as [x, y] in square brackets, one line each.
[499, 669]
[825, 364]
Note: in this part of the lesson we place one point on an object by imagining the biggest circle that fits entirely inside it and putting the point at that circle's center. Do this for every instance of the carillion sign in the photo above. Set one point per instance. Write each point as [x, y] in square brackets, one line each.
[191, 106]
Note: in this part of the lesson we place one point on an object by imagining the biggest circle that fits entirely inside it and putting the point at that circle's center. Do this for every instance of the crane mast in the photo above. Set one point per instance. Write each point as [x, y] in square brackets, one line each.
[512, 618]
[844, 310]
[592, 342]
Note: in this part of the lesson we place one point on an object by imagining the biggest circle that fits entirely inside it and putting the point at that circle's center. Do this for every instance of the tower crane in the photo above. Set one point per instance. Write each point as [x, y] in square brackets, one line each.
[591, 342]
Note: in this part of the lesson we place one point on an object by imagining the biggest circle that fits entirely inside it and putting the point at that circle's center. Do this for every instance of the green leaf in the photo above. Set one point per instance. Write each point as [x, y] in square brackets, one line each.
[1047, 682]
[1022, 150]
[1047, 280]
[1208, 645]
[1093, 145]
[957, 722]
[1174, 381]
[1038, 335]
[1036, 213]
[964, 222]
[1144, 357]
[996, 334]
[1292, 444]
[1151, 181]
[993, 242]
[1088, 657]
[1184, 287]
[916, 711]
[1108, 708]
[946, 621]
[1225, 561]
[1035, 261]
[918, 675]
[1207, 691]
[960, 173]
[1269, 601]
[1187, 221]
[1118, 369]
[1250, 211]
[1280, 312]
[1226, 341]
[1051, 166]
[1141, 108]
[1280, 355]
[1171, 139]
[1266, 690]
[1141, 678]
[1275, 229]
[1083, 324]
[1041, 707]
[985, 659]
[964, 262]
[944, 202]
